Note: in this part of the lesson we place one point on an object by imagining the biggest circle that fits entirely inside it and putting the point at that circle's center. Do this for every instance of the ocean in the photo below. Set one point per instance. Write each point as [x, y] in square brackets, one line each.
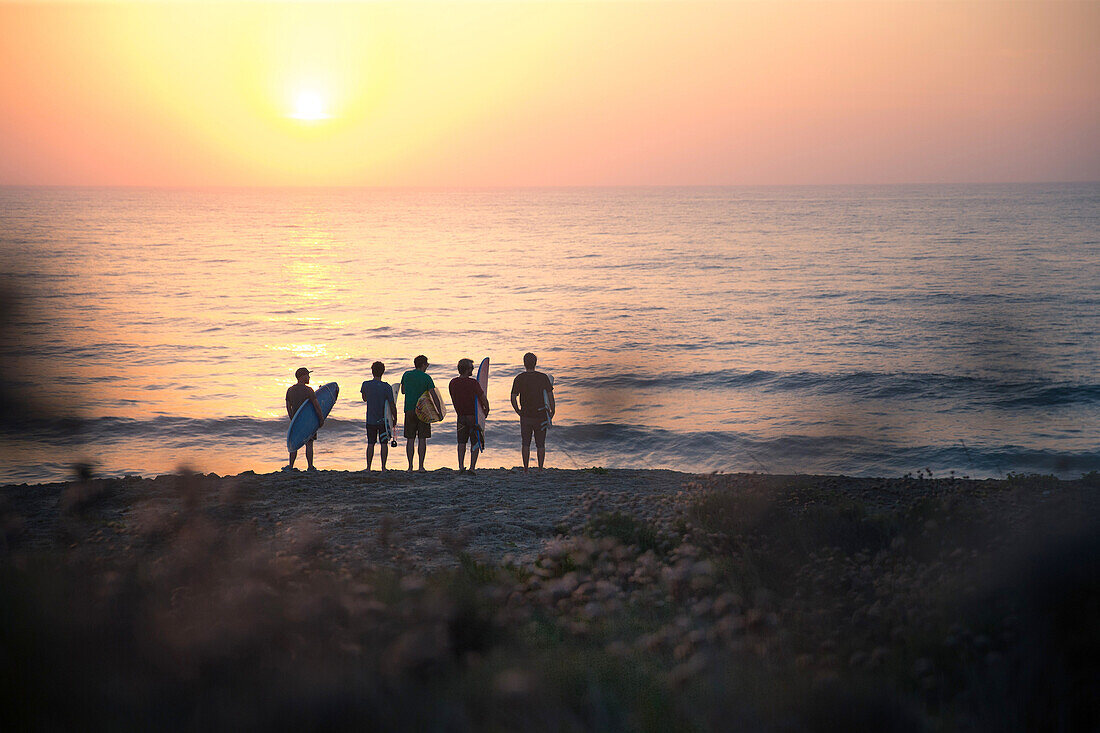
[854, 330]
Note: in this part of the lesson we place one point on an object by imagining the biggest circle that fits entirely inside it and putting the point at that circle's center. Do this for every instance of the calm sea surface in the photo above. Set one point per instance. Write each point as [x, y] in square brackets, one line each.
[862, 330]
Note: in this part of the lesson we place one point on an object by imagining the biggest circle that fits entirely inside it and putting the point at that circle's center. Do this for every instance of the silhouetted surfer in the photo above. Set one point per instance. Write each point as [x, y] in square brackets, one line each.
[379, 398]
[535, 407]
[296, 396]
[415, 383]
[466, 392]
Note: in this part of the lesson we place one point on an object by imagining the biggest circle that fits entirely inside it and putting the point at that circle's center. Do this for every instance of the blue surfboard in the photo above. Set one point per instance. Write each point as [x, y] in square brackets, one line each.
[305, 422]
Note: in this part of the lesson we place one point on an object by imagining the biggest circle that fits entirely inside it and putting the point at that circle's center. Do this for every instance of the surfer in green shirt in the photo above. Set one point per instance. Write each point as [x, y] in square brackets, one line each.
[415, 383]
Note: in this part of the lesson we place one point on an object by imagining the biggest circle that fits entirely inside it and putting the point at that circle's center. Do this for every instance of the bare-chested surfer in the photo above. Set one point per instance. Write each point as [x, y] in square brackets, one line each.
[535, 407]
[296, 396]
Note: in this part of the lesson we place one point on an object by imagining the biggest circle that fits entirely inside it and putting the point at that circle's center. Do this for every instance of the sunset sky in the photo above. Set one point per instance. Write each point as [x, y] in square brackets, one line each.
[548, 93]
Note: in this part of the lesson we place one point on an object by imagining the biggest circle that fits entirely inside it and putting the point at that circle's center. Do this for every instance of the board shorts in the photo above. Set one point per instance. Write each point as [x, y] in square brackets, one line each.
[373, 431]
[414, 426]
[467, 429]
[529, 426]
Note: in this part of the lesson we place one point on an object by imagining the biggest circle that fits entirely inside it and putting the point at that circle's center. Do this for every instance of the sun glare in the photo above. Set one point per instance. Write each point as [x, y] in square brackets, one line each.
[309, 106]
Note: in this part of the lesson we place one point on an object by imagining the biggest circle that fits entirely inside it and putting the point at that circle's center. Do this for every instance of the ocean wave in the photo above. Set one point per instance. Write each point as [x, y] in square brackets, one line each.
[963, 390]
[252, 443]
[621, 445]
[163, 427]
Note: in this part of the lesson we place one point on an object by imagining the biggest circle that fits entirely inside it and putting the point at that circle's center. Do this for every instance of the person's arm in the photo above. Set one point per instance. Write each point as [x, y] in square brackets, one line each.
[515, 403]
[289, 409]
[392, 403]
[553, 404]
[435, 397]
[317, 406]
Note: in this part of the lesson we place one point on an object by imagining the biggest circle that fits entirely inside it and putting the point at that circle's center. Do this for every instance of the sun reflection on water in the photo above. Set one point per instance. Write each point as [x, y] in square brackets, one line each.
[302, 351]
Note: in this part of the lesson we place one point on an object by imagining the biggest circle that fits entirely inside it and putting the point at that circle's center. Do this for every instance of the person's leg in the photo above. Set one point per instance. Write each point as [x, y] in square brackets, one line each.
[463, 433]
[293, 455]
[474, 453]
[423, 446]
[540, 446]
[384, 454]
[372, 438]
[410, 436]
[525, 431]
[309, 454]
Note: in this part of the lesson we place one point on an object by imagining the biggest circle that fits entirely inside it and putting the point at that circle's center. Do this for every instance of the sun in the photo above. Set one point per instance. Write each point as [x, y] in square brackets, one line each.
[309, 106]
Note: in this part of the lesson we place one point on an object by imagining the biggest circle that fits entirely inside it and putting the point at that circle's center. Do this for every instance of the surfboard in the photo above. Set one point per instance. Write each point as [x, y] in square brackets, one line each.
[547, 423]
[387, 420]
[483, 380]
[391, 427]
[305, 422]
[425, 407]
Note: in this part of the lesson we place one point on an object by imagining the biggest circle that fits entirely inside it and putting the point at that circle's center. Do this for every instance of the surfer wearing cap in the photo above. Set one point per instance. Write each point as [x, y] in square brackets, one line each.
[296, 396]
[379, 398]
[466, 392]
[533, 401]
[415, 383]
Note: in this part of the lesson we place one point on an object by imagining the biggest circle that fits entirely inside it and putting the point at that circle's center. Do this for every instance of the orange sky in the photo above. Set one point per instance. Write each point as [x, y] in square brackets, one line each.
[454, 93]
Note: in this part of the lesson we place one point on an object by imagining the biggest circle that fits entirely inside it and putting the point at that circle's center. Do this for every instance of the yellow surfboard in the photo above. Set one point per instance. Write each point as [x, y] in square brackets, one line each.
[425, 406]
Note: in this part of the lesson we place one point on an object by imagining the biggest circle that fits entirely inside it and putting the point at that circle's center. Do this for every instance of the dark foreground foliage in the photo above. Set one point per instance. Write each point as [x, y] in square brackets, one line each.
[775, 603]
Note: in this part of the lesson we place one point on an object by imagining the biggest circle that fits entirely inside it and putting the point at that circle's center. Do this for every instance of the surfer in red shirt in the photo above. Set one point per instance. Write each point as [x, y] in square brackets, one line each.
[466, 392]
[296, 396]
[533, 401]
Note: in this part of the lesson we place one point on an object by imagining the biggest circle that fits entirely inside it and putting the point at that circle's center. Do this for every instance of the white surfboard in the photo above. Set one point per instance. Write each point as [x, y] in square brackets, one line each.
[483, 380]
[389, 418]
[546, 404]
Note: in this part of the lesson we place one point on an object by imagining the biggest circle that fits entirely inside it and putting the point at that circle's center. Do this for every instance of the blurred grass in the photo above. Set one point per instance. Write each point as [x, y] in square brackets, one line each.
[628, 531]
[771, 603]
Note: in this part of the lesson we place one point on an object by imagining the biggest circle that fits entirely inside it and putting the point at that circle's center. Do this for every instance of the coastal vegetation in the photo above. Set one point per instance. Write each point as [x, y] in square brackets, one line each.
[753, 602]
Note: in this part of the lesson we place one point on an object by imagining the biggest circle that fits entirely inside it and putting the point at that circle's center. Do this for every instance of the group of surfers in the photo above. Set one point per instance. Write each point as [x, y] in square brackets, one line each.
[532, 399]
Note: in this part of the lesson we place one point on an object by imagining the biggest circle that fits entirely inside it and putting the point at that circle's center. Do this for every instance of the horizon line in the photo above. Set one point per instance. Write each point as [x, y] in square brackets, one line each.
[533, 187]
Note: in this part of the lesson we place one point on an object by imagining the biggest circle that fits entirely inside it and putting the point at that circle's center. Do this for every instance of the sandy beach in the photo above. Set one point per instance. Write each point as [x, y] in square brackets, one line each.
[507, 601]
[397, 518]
[418, 520]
